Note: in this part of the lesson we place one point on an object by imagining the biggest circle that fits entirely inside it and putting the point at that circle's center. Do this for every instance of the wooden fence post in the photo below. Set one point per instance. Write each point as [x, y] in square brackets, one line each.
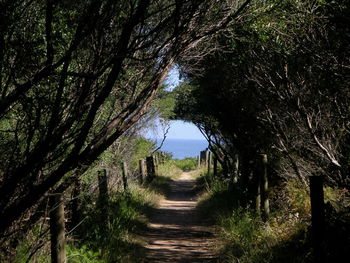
[102, 201]
[162, 155]
[155, 160]
[215, 166]
[203, 157]
[258, 194]
[265, 189]
[142, 172]
[317, 217]
[209, 161]
[150, 168]
[125, 176]
[57, 229]
[236, 171]
[206, 156]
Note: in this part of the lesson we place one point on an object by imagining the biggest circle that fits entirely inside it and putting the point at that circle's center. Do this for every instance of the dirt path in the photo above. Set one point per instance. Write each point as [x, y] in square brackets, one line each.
[176, 232]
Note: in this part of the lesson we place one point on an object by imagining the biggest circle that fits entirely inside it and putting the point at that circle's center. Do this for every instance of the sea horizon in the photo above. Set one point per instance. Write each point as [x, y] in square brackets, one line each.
[181, 148]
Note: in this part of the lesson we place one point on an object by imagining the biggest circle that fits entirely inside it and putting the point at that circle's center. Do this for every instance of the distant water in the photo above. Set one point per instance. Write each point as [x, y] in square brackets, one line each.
[182, 148]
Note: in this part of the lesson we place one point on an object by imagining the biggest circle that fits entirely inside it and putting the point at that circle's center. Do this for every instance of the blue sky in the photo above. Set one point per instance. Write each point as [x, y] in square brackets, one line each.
[184, 130]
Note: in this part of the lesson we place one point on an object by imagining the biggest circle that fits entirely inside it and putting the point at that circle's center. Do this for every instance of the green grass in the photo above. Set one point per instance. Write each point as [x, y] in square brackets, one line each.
[169, 170]
[244, 237]
[114, 237]
[186, 164]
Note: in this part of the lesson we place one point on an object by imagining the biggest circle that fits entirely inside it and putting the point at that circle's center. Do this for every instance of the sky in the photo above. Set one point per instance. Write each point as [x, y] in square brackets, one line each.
[184, 130]
[178, 129]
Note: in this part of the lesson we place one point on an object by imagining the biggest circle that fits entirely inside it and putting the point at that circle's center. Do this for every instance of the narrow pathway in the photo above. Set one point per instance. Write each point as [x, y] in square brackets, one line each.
[176, 232]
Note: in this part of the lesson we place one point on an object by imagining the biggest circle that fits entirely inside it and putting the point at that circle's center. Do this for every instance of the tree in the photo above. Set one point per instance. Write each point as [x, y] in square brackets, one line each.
[277, 83]
[75, 76]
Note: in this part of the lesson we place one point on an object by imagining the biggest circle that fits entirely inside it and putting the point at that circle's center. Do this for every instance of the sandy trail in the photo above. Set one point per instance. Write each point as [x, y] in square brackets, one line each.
[176, 232]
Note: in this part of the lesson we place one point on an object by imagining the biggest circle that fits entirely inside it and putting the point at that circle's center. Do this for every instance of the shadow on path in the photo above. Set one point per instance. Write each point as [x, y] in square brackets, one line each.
[176, 232]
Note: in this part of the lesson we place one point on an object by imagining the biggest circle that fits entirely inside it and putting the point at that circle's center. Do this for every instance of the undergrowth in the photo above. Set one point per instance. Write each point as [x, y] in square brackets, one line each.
[104, 238]
[113, 237]
[285, 237]
[244, 237]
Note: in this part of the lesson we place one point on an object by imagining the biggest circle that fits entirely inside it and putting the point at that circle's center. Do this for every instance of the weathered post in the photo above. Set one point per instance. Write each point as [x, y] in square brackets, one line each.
[215, 166]
[207, 156]
[155, 159]
[202, 157]
[258, 194]
[162, 157]
[103, 186]
[317, 217]
[102, 201]
[125, 176]
[142, 172]
[57, 229]
[150, 168]
[265, 189]
[236, 171]
[209, 161]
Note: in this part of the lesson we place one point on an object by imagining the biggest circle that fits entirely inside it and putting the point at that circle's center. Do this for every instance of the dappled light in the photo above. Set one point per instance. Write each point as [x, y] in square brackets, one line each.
[249, 104]
[176, 232]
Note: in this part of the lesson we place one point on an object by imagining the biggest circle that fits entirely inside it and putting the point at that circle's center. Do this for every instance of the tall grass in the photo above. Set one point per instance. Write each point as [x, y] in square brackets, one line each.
[244, 237]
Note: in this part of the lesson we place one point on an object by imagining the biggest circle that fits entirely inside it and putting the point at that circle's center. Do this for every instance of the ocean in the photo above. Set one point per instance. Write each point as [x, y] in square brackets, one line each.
[182, 148]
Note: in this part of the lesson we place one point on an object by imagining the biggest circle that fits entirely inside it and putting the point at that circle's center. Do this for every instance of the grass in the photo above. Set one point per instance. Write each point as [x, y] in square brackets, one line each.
[169, 170]
[186, 164]
[244, 237]
[111, 237]
[115, 237]
[120, 240]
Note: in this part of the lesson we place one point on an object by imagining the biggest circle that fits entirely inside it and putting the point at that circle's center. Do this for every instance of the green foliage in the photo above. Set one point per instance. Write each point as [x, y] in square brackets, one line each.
[164, 104]
[143, 148]
[82, 255]
[33, 247]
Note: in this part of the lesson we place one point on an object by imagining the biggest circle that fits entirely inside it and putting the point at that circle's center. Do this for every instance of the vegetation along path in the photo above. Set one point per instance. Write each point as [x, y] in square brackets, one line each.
[176, 232]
